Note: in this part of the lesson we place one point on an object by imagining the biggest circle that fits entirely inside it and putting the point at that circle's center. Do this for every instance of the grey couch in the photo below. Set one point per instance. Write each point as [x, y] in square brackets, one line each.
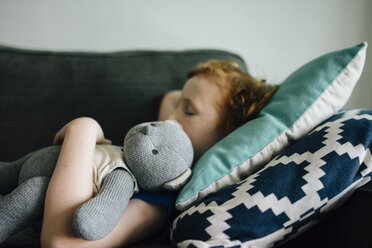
[40, 91]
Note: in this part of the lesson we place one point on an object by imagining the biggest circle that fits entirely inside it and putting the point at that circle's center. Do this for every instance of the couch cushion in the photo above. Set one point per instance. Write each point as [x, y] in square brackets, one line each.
[40, 91]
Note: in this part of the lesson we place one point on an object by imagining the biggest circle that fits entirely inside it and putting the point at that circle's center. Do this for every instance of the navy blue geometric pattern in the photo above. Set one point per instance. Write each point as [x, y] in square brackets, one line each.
[227, 191]
[189, 228]
[293, 172]
[291, 192]
[242, 219]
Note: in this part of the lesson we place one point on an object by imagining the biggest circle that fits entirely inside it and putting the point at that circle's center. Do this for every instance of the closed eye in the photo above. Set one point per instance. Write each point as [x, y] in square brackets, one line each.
[189, 108]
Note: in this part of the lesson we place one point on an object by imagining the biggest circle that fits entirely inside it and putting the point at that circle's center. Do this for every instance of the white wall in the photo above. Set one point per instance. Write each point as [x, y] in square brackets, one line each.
[274, 36]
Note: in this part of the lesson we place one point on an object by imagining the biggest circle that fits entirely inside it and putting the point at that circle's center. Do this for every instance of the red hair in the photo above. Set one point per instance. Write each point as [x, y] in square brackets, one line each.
[243, 96]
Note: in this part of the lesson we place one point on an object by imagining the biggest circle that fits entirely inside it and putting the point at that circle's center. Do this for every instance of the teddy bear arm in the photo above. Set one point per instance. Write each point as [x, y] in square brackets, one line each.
[40, 163]
[9, 173]
[106, 208]
[23, 206]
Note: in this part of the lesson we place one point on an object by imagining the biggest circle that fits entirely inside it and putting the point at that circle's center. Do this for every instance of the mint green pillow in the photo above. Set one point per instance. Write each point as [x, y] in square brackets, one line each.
[307, 97]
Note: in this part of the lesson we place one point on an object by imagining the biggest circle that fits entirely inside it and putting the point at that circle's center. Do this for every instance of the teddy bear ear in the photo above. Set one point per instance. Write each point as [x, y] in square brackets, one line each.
[178, 182]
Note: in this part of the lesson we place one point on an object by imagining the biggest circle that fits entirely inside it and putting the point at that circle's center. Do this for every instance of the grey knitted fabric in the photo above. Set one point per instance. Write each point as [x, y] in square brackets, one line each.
[97, 217]
[22, 206]
[156, 153]
[25, 182]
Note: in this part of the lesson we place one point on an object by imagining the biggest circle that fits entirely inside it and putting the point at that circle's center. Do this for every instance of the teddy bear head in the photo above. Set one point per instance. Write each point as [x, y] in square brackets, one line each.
[159, 154]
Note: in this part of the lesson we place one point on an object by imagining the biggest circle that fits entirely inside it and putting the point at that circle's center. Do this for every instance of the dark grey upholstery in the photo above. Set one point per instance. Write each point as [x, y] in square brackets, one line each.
[41, 91]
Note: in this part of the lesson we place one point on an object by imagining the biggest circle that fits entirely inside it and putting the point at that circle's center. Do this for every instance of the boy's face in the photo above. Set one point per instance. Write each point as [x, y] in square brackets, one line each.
[197, 112]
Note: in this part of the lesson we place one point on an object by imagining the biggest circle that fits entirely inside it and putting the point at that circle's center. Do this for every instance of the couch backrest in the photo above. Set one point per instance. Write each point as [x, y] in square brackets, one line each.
[40, 91]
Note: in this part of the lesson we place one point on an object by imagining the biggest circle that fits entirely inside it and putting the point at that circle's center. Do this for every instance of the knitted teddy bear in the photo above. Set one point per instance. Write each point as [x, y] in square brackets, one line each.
[155, 156]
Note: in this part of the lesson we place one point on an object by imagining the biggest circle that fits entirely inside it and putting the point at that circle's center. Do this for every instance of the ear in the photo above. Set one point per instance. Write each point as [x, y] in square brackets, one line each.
[180, 181]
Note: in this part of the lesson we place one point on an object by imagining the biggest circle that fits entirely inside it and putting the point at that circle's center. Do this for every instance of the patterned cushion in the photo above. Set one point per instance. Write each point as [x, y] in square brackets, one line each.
[290, 194]
[309, 96]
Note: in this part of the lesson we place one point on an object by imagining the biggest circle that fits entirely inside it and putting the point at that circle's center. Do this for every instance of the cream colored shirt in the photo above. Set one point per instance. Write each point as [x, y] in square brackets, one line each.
[106, 159]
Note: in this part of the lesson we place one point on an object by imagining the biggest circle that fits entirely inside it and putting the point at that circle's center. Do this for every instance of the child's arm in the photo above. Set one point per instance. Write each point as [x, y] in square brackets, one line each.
[71, 186]
[71, 182]
[85, 122]
[169, 104]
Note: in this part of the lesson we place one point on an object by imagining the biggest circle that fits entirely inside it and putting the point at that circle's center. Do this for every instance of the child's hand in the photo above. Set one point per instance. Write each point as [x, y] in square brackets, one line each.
[82, 123]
